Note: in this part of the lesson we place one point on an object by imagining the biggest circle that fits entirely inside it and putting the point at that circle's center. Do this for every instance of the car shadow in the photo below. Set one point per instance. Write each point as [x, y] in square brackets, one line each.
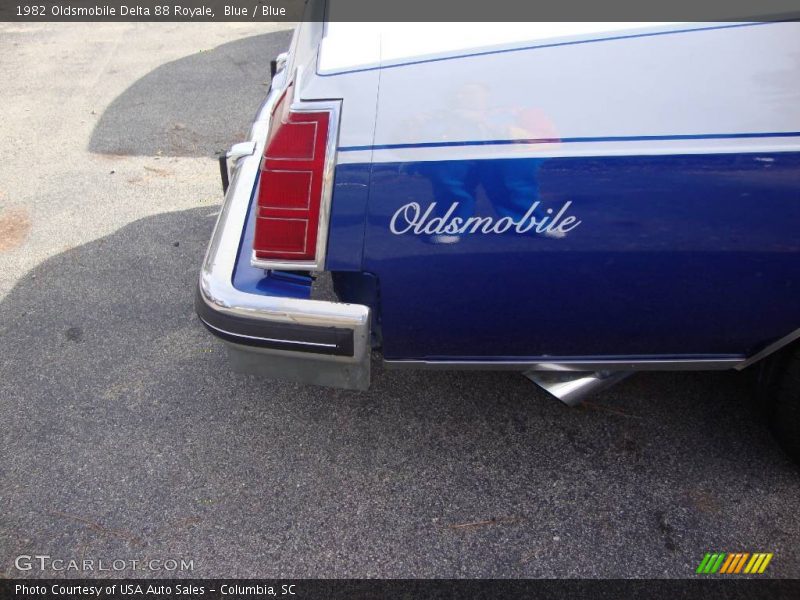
[163, 114]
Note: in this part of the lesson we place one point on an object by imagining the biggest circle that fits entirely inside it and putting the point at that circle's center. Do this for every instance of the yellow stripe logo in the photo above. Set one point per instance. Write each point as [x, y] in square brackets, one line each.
[734, 563]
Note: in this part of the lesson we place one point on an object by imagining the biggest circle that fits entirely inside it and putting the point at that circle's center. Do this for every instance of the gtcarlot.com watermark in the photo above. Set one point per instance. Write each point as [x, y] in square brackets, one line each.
[47, 563]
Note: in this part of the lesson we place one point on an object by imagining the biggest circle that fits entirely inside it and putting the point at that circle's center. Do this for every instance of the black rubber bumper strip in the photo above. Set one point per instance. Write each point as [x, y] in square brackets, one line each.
[333, 341]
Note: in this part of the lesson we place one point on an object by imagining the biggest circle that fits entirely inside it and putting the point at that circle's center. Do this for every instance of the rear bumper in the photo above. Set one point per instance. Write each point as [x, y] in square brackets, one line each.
[310, 341]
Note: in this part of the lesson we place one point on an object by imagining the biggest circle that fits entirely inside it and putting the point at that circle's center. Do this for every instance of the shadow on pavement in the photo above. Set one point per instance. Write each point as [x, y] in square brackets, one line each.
[195, 106]
[125, 436]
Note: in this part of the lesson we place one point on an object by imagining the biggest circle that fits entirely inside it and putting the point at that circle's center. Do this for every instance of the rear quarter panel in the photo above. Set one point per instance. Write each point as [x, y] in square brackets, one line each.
[677, 151]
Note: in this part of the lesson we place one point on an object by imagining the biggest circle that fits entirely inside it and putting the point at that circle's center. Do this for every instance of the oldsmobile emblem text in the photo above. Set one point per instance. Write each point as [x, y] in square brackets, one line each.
[411, 218]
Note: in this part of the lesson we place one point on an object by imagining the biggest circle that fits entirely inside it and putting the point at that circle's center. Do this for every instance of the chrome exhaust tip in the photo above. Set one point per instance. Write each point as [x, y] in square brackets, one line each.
[572, 387]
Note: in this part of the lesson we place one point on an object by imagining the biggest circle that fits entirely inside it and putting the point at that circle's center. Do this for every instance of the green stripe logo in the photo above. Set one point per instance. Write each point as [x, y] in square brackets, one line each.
[734, 563]
[710, 563]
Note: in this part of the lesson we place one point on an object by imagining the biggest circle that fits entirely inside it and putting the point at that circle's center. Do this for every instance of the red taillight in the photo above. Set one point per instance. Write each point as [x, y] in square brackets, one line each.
[291, 185]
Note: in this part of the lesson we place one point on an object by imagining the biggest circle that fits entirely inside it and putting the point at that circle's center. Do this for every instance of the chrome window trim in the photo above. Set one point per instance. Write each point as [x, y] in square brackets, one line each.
[333, 108]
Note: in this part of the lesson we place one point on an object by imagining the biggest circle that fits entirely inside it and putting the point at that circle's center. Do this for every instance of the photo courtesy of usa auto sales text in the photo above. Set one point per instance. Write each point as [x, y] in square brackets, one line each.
[72, 591]
[125, 589]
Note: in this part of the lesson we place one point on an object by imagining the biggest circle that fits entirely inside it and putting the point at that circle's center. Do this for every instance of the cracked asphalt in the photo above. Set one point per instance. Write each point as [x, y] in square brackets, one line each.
[123, 435]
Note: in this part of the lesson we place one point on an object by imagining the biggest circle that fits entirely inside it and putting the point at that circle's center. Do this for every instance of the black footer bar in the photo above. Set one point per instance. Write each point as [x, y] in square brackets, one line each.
[353, 589]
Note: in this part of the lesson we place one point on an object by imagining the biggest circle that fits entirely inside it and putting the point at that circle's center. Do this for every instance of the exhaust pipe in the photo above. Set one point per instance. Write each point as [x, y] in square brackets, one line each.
[572, 387]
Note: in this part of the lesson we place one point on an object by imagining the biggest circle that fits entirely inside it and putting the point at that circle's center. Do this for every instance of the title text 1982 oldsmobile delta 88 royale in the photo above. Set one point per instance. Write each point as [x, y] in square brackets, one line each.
[572, 201]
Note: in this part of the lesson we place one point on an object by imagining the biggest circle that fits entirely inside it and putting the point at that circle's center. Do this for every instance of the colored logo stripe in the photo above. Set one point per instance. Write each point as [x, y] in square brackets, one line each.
[733, 563]
[758, 563]
[710, 563]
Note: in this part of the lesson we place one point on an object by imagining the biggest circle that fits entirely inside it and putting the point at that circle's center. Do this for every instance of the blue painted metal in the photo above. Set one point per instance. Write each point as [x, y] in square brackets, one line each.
[361, 288]
[348, 218]
[247, 278]
[676, 256]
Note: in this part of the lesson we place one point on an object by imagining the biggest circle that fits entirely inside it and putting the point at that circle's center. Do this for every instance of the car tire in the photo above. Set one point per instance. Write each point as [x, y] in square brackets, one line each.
[780, 389]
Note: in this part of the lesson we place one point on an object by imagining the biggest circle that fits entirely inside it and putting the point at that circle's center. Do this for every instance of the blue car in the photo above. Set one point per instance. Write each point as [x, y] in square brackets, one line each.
[572, 201]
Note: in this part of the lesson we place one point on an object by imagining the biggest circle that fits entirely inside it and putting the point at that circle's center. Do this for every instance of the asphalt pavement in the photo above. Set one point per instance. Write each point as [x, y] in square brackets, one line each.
[124, 436]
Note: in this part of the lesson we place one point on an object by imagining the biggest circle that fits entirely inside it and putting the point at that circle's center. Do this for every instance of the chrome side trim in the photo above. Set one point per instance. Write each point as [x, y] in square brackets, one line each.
[570, 365]
[771, 349]
[217, 294]
[332, 107]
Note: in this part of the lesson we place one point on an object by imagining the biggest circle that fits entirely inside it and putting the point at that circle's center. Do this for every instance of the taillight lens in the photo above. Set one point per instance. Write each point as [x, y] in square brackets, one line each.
[291, 185]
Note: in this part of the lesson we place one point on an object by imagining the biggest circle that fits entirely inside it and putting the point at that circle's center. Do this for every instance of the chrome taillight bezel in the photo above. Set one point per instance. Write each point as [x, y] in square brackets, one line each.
[333, 108]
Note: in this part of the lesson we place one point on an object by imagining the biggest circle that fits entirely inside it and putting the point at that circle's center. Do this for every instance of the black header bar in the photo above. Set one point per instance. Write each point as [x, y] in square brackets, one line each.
[399, 10]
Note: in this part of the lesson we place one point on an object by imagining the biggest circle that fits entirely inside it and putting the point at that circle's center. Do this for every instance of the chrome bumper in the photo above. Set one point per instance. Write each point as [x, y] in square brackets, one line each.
[311, 341]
